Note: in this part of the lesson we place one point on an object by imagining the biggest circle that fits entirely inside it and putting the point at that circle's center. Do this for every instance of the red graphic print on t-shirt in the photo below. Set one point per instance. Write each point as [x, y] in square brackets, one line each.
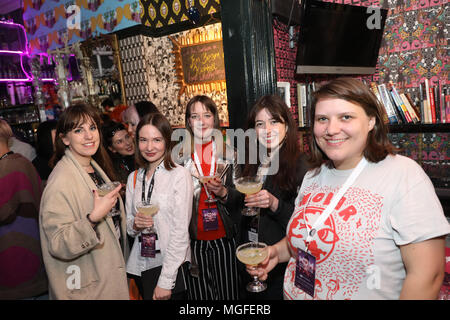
[343, 245]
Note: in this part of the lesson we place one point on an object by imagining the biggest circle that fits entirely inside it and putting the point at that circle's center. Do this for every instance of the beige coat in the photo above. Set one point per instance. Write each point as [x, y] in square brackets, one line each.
[75, 255]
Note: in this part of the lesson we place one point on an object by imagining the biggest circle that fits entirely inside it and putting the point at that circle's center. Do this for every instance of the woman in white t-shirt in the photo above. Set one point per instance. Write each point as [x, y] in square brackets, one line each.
[383, 234]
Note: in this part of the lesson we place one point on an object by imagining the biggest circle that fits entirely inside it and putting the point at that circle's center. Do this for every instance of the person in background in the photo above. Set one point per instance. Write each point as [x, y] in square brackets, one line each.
[18, 146]
[121, 149]
[120, 146]
[45, 148]
[77, 234]
[368, 219]
[282, 172]
[22, 272]
[213, 273]
[132, 115]
[162, 274]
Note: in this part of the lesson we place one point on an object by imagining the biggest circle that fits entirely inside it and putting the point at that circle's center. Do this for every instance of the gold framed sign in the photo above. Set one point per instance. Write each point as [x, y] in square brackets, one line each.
[199, 65]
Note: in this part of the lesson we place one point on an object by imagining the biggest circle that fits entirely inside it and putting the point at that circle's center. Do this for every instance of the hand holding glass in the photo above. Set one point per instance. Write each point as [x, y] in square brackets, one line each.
[106, 188]
[148, 208]
[252, 254]
[248, 186]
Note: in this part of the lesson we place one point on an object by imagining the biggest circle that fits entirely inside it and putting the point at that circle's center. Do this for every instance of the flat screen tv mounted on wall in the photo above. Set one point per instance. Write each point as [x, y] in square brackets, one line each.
[339, 39]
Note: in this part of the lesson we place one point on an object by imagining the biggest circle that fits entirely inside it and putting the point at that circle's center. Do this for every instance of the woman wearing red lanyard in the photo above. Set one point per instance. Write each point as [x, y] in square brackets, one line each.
[367, 221]
[212, 231]
[158, 259]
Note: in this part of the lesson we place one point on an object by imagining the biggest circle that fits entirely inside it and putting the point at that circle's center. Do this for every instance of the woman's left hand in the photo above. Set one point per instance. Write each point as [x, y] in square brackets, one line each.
[161, 294]
[262, 199]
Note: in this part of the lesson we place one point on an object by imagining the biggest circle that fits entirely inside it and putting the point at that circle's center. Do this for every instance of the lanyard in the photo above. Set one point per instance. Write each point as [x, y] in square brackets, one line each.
[150, 188]
[213, 161]
[6, 154]
[327, 212]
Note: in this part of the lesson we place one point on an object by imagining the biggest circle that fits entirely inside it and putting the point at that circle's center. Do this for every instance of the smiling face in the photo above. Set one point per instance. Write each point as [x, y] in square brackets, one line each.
[201, 120]
[270, 131]
[83, 140]
[151, 144]
[340, 130]
[122, 143]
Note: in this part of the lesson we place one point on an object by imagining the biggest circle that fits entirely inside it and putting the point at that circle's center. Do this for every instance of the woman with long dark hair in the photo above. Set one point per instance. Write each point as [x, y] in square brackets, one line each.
[282, 171]
[77, 235]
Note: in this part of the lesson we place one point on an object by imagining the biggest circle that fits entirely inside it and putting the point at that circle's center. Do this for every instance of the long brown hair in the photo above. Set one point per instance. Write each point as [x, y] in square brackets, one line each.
[289, 151]
[378, 145]
[162, 124]
[69, 120]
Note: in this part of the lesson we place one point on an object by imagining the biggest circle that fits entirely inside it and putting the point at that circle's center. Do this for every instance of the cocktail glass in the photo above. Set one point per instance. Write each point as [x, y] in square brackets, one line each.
[106, 188]
[248, 186]
[149, 208]
[204, 180]
[252, 254]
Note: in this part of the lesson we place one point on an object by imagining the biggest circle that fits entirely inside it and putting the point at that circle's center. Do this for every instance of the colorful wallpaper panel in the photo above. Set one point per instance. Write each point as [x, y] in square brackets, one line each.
[161, 13]
[48, 21]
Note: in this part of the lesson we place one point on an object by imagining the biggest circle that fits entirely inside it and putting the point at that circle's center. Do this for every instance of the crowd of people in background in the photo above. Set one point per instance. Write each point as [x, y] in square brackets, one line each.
[352, 205]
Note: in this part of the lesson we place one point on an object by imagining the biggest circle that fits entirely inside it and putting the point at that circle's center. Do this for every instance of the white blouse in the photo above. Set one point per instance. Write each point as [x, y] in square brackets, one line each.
[173, 190]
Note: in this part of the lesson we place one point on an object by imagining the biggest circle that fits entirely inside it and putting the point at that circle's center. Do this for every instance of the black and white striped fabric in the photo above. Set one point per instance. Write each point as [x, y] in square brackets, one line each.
[218, 277]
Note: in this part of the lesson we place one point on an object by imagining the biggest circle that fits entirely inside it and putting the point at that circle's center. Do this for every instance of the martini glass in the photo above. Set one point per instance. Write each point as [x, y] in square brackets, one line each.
[148, 208]
[252, 254]
[106, 188]
[248, 186]
[204, 180]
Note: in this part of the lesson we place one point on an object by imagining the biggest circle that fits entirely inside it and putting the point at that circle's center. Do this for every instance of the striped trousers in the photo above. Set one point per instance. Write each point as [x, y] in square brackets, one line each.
[218, 276]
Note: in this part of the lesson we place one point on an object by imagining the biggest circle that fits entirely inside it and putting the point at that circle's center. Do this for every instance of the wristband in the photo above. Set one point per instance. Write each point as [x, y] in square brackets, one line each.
[225, 196]
[92, 222]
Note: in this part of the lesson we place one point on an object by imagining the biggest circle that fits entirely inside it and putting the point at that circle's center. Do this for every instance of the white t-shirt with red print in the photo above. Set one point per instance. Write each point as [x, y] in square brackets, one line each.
[391, 203]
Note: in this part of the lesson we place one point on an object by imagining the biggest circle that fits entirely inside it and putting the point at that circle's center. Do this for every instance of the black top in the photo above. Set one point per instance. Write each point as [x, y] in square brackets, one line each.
[42, 167]
[123, 166]
[271, 228]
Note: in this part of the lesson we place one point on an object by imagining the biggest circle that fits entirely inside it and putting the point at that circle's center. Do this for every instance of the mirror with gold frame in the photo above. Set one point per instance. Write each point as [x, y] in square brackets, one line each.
[105, 68]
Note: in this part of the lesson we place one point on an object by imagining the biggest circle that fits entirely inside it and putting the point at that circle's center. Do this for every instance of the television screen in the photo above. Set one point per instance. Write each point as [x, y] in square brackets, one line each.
[339, 38]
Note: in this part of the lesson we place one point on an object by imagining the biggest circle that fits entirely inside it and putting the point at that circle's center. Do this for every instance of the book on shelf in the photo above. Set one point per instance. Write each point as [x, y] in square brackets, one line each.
[413, 105]
[447, 105]
[427, 104]
[384, 95]
[415, 117]
[442, 103]
[374, 88]
[400, 104]
[436, 103]
[432, 105]
[301, 98]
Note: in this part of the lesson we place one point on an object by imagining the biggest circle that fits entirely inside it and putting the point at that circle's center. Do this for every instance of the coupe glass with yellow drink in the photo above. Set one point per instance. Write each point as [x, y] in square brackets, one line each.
[252, 254]
[248, 186]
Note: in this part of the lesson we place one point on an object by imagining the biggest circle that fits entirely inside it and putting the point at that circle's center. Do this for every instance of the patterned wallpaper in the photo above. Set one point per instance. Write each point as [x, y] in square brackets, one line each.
[149, 74]
[415, 46]
[158, 14]
[46, 20]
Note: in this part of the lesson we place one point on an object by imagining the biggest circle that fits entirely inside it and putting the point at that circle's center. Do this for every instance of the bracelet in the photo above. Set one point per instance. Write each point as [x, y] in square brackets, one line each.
[225, 196]
[88, 216]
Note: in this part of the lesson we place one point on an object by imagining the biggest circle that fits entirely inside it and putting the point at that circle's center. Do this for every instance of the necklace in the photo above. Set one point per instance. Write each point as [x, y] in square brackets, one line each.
[6, 154]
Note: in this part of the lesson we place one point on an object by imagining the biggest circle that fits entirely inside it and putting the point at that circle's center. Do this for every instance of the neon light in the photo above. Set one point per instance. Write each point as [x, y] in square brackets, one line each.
[21, 53]
[15, 80]
[24, 32]
[12, 52]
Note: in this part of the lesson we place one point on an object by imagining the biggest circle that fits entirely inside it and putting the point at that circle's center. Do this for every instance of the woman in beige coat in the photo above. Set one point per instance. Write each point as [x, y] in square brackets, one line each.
[84, 249]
